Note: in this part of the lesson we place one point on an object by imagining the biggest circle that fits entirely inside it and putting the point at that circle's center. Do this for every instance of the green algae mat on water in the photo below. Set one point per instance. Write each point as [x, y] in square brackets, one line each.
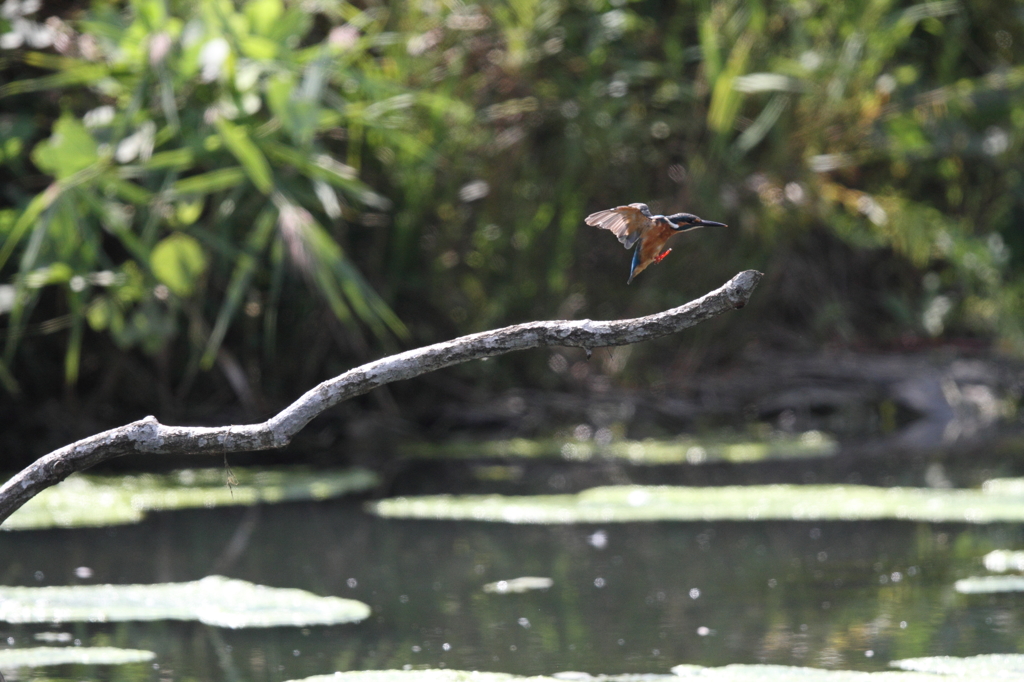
[986, 666]
[526, 583]
[932, 669]
[612, 504]
[785, 673]
[728, 448]
[87, 500]
[416, 676]
[214, 600]
[35, 657]
[990, 584]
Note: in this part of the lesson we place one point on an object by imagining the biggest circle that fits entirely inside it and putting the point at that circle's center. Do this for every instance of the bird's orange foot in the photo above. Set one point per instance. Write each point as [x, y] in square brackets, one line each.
[661, 257]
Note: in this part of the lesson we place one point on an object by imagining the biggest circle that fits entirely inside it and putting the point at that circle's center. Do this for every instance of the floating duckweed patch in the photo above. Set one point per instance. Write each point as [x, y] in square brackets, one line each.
[649, 451]
[785, 673]
[1004, 486]
[519, 585]
[990, 583]
[727, 503]
[635, 677]
[986, 666]
[993, 667]
[1003, 560]
[108, 500]
[574, 676]
[416, 676]
[214, 600]
[434, 675]
[69, 655]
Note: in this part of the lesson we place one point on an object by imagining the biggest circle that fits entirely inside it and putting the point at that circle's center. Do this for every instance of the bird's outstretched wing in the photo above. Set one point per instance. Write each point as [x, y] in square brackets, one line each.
[625, 222]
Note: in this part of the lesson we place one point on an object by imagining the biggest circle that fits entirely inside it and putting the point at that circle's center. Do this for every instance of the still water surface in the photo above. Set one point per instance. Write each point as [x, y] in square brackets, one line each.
[626, 598]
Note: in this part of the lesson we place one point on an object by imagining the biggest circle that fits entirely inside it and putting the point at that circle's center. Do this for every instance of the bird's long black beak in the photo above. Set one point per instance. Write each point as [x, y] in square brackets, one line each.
[683, 227]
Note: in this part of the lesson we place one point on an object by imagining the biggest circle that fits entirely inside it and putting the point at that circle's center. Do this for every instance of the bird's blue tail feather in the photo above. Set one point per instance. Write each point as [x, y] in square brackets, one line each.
[636, 260]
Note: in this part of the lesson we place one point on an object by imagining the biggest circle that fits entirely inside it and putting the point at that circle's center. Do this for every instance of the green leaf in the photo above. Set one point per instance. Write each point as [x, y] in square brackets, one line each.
[129, 191]
[100, 313]
[178, 159]
[153, 13]
[54, 273]
[298, 115]
[83, 73]
[178, 261]
[326, 168]
[208, 183]
[69, 149]
[725, 99]
[765, 120]
[906, 135]
[710, 48]
[245, 266]
[279, 88]
[257, 47]
[187, 212]
[343, 286]
[73, 354]
[263, 14]
[237, 140]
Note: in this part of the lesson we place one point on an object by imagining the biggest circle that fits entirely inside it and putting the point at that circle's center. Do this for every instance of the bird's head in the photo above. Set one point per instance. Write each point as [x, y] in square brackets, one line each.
[688, 221]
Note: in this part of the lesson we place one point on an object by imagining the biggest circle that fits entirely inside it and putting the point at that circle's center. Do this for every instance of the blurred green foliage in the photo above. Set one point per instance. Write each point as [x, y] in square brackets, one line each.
[190, 164]
[169, 168]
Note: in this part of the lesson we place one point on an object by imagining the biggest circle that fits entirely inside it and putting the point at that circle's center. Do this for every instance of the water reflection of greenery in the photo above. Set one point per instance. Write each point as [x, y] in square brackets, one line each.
[424, 582]
[746, 619]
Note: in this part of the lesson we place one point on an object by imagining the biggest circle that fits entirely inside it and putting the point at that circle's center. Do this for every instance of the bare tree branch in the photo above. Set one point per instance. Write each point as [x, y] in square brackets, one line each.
[150, 436]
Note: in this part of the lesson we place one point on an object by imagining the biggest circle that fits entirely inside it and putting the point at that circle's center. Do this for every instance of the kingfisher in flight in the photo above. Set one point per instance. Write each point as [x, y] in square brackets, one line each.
[634, 225]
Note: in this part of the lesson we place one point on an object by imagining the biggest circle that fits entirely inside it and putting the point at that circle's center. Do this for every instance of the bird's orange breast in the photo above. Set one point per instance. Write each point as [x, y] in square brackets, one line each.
[653, 241]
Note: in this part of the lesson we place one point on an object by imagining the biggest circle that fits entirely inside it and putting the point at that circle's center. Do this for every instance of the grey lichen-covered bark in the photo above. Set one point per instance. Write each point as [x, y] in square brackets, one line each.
[150, 436]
